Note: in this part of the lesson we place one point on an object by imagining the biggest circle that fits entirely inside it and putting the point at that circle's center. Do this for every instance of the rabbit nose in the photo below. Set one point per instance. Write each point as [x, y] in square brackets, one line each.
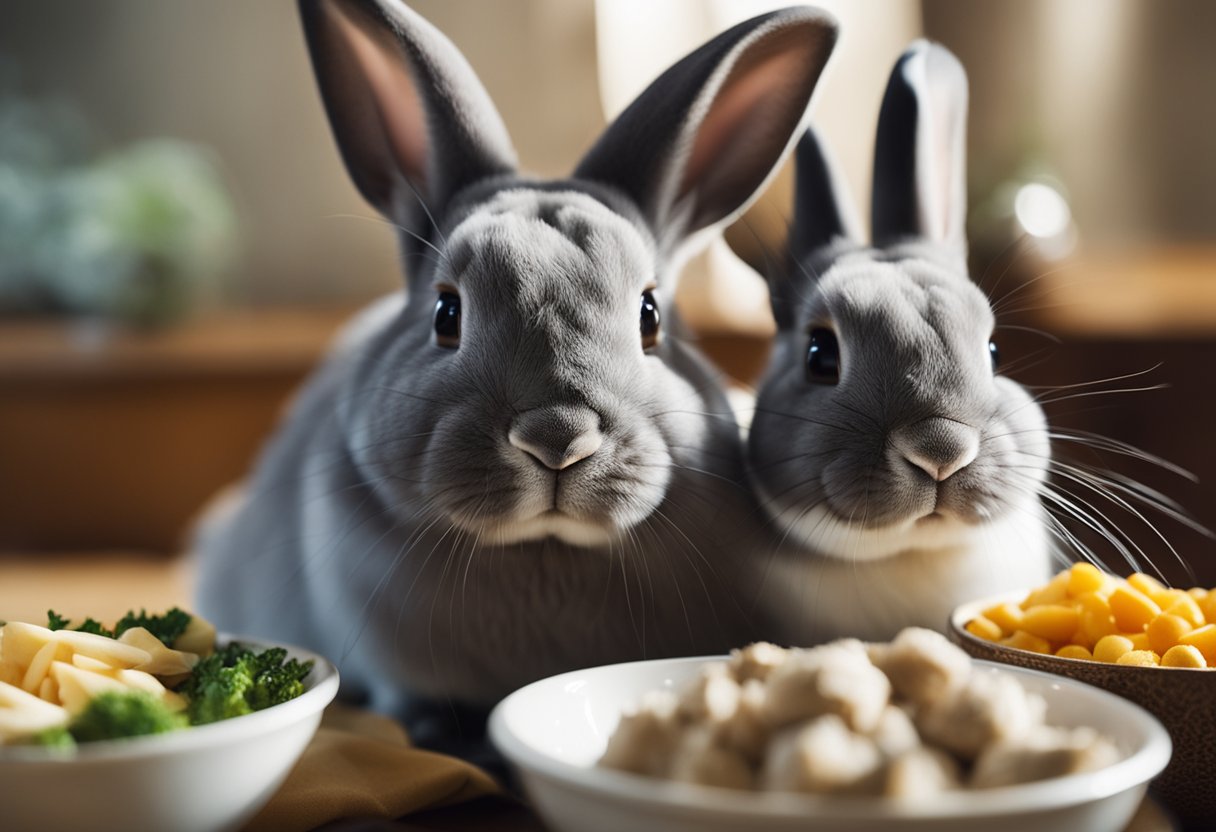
[940, 447]
[557, 437]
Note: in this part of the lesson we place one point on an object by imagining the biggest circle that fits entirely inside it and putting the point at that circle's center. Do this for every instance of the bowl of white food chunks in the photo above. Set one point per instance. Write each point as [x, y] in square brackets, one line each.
[155, 723]
[907, 735]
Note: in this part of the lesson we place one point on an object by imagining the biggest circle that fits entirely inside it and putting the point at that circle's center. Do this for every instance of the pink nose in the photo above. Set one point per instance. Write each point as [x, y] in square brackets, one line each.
[557, 437]
[939, 447]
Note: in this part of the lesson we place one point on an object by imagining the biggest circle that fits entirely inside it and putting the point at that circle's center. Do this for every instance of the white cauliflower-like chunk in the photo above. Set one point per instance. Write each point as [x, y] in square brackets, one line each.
[1044, 753]
[831, 679]
[989, 708]
[922, 665]
[822, 757]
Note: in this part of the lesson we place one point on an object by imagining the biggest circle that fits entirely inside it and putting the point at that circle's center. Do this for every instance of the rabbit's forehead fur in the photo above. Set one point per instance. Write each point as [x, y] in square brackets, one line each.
[924, 322]
[831, 461]
[561, 251]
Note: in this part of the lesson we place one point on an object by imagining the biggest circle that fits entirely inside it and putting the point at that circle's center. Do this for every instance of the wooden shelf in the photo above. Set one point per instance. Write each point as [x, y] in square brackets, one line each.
[1143, 294]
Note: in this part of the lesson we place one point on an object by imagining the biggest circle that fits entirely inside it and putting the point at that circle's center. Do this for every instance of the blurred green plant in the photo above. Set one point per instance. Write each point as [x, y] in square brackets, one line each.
[139, 235]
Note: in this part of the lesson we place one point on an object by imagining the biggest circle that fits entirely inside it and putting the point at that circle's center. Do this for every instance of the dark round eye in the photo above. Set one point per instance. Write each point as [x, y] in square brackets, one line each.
[650, 320]
[995, 354]
[447, 319]
[823, 357]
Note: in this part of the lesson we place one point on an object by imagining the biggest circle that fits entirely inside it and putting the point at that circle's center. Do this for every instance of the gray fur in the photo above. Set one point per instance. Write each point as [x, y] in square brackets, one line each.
[400, 521]
[912, 485]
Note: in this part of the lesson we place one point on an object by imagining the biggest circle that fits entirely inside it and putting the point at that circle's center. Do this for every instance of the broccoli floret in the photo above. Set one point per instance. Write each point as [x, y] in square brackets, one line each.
[167, 627]
[90, 625]
[117, 714]
[55, 738]
[236, 681]
[55, 621]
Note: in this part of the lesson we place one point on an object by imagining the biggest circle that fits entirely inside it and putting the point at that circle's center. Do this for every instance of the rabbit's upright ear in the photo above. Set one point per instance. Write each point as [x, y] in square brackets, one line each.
[694, 148]
[920, 157]
[823, 211]
[411, 119]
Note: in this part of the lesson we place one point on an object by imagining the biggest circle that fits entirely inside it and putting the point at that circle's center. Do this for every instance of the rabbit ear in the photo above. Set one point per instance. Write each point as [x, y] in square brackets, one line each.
[411, 119]
[695, 147]
[823, 211]
[920, 186]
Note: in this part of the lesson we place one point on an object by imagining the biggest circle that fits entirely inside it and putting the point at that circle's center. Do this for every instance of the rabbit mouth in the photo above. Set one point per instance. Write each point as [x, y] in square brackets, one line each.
[551, 523]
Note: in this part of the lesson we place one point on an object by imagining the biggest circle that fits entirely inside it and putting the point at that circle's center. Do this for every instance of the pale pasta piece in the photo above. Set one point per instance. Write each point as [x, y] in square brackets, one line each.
[78, 687]
[108, 650]
[198, 637]
[164, 661]
[22, 641]
[23, 714]
[40, 665]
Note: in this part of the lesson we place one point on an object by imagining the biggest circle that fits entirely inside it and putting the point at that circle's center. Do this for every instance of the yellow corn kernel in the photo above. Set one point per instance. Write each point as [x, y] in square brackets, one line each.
[1139, 658]
[1198, 593]
[1094, 626]
[1165, 630]
[1054, 591]
[1145, 584]
[1167, 597]
[1207, 605]
[1054, 622]
[1110, 648]
[1186, 607]
[1007, 616]
[1074, 651]
[1083, 578]
[1132, 609]
[1139, 640]
[1205, 639]
[985, 628]
[1093, 602]
[1023, 640]
[1183, 655]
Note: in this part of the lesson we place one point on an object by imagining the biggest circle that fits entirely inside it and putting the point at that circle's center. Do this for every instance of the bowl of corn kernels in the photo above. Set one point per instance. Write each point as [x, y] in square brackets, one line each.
[1152, 644]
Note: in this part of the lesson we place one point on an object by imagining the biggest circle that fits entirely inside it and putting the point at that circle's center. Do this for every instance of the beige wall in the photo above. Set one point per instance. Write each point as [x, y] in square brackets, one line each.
[233, 74]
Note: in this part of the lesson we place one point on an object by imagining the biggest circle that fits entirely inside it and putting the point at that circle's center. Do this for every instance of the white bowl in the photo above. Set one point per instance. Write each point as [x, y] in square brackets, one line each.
[202, 779]
[554, 730]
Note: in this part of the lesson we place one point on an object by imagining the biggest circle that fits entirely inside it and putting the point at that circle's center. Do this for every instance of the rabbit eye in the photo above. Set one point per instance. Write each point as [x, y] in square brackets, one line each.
[650, 320]
[447, 320]
[823, 357]
[995, 354]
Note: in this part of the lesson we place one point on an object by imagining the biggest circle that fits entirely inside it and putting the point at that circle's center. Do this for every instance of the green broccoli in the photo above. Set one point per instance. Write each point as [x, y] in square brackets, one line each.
[167, 627]
[236, 681]
[58, 622]
[117, 714]
[55, 738]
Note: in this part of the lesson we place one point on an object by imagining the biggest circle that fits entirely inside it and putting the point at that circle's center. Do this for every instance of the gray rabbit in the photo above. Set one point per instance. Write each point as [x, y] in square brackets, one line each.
[519, 466]
[901, 471]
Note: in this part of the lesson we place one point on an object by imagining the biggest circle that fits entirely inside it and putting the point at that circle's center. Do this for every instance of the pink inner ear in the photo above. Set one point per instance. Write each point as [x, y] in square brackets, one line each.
[747, 126]
[394, 97]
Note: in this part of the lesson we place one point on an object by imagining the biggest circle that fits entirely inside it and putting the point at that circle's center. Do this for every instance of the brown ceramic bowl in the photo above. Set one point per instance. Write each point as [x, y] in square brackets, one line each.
[1183, 699]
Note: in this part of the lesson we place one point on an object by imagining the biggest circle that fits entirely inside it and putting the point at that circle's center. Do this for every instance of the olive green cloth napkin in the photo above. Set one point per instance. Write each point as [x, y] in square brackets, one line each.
[361, 765]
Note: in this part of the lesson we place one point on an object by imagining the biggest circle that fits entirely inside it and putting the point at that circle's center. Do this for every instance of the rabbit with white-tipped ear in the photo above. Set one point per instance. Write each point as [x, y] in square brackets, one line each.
[518, 468]
[902, 472]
